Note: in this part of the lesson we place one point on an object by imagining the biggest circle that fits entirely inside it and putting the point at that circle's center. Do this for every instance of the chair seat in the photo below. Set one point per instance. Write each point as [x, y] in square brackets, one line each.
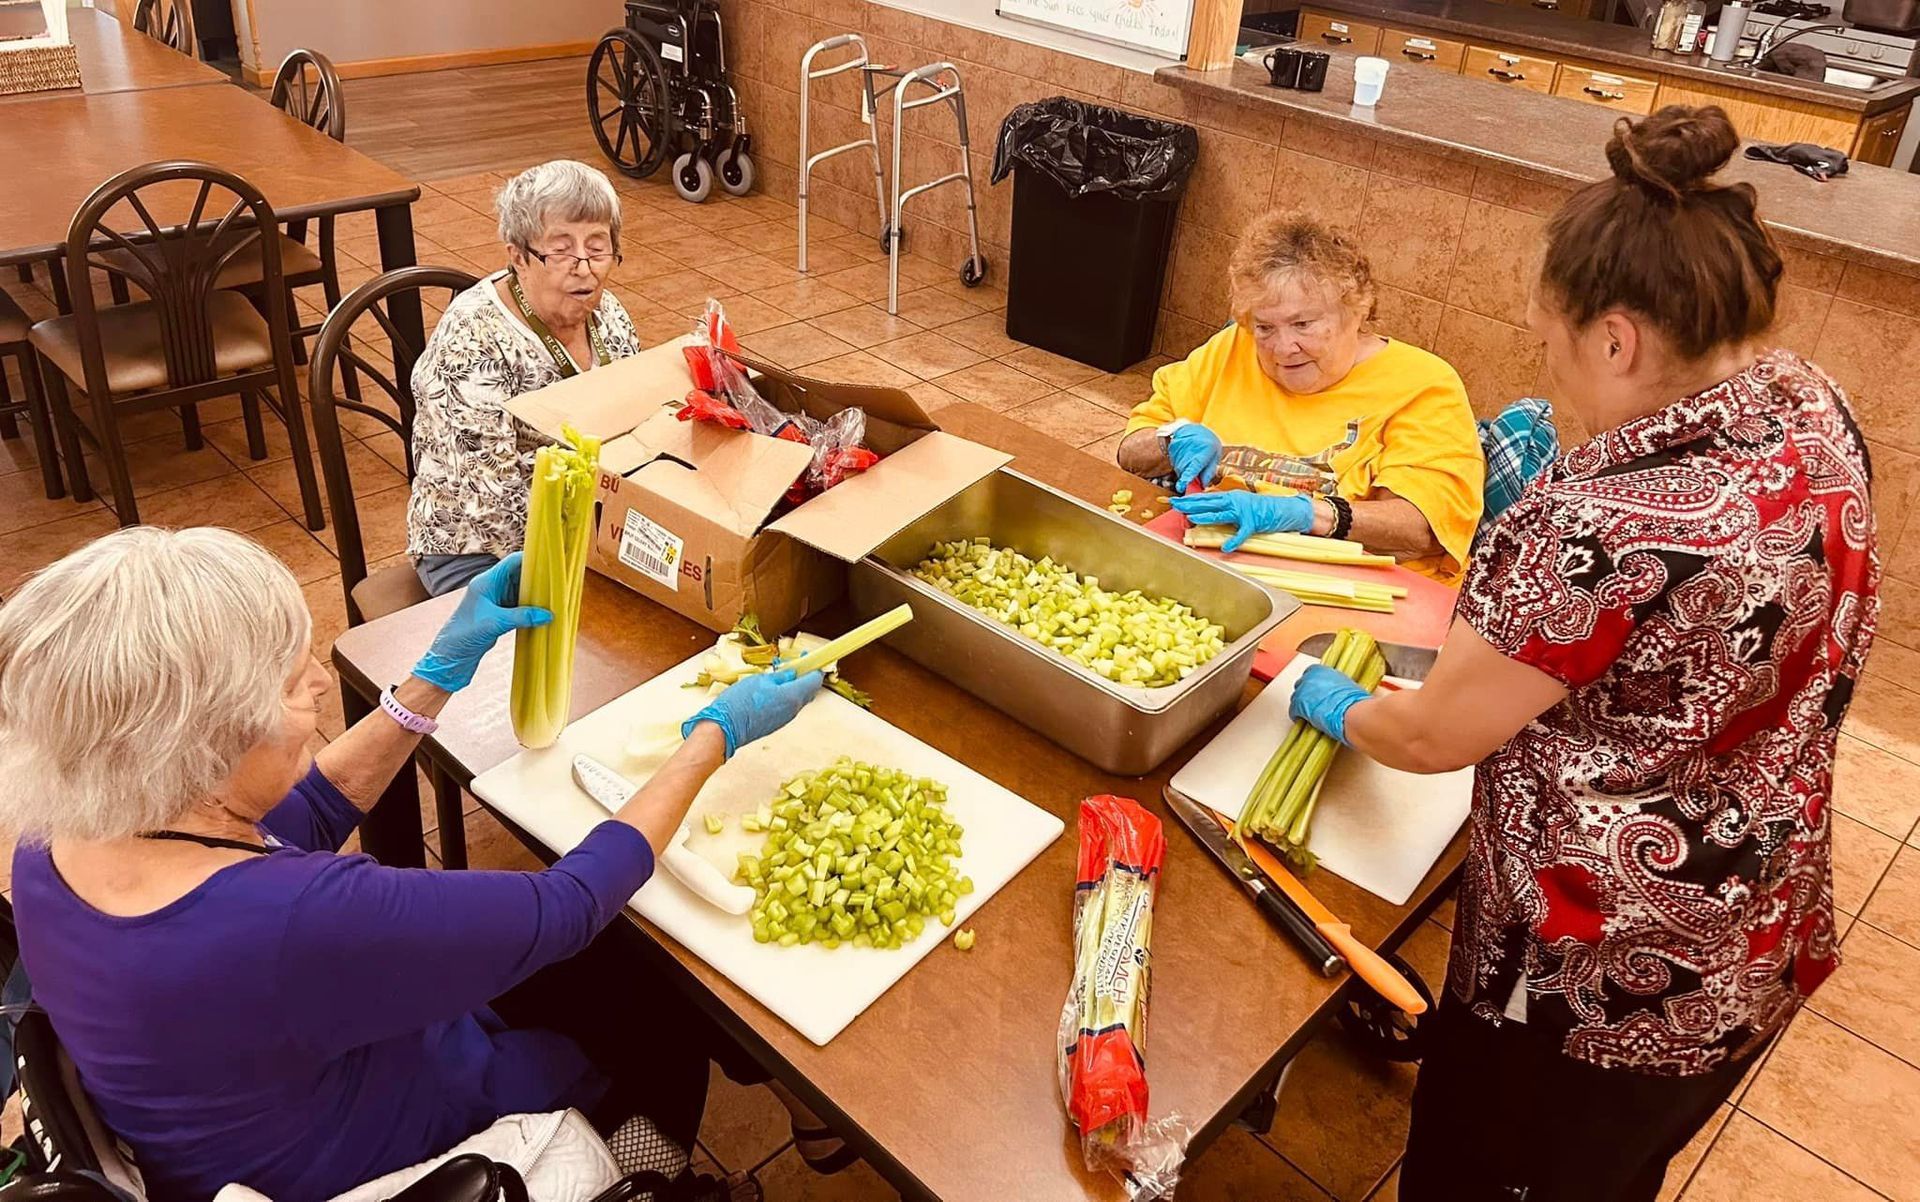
[14, 322]
[297, 261]
[389, 590]
[130, 342]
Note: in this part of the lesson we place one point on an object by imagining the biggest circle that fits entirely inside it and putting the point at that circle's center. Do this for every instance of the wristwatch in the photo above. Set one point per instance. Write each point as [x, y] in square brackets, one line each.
[409, 721]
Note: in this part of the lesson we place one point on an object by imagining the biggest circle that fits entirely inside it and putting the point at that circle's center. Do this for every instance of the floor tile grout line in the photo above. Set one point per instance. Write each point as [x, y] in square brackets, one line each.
[1809, 1151]
[1711, 1145]
[773, 1156]
[1866, 1039]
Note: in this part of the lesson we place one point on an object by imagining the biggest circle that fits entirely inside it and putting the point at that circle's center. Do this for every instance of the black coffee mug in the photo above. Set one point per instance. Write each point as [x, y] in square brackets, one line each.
[1313, 71]
[1283, 65]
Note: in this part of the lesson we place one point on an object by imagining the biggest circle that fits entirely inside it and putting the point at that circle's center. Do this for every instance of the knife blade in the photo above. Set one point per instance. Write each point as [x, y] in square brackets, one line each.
[1366, 963]
[1278, 907]
[691, 869]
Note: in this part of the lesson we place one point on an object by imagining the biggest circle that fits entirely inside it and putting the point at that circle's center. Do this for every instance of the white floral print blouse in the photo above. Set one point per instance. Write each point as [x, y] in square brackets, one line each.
[472, 460]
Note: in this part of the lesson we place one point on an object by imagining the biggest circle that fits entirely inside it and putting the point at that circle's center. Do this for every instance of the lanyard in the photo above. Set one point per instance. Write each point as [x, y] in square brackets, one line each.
[207, 841]
[561, 359]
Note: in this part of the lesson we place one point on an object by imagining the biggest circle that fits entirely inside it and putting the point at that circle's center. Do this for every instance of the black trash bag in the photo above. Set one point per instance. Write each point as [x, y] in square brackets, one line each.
[1089, 148]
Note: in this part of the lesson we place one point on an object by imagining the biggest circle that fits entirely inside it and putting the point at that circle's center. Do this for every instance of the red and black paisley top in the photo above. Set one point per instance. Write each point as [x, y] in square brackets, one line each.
[1652, 854]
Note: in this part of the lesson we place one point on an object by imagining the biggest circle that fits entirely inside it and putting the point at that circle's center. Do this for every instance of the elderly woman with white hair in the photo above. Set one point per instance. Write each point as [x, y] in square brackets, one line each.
[244, 1004]
[545, 317]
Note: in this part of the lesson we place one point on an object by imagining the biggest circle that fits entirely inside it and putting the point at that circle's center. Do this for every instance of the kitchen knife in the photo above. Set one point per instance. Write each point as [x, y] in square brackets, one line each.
[1366, 963]
[1278, 907]
[691, 869]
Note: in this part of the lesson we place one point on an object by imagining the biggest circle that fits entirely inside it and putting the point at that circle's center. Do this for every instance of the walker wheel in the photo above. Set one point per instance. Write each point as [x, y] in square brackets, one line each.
[973, 272]
[890, 237]
[1379, 1026]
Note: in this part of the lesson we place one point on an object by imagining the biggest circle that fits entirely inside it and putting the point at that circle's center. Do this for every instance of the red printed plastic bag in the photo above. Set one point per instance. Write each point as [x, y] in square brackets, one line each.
[703, 406]
[715, 333]
[1103, 1026]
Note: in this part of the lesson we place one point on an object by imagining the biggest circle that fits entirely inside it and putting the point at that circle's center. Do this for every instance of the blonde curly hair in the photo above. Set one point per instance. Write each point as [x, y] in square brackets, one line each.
[1282, 245]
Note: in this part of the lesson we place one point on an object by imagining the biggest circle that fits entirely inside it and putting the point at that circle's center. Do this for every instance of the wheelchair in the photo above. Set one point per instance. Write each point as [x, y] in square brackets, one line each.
[658, 86]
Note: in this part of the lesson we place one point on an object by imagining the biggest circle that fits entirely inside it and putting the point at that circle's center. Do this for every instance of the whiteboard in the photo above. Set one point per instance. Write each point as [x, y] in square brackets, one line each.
[1158, 26]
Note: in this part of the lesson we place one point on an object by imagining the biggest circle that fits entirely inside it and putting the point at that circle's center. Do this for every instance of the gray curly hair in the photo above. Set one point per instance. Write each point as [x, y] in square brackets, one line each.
[563, 190]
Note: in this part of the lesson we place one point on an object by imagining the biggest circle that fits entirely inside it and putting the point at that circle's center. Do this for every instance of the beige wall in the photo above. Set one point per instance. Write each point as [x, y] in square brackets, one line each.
[1452, 240]
[349, 31]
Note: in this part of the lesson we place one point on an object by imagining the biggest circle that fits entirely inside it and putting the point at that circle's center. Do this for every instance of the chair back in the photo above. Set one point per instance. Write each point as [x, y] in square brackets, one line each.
[169, 22]
[59, 1118]
[174, 251]
[335, 355]
[308, 90]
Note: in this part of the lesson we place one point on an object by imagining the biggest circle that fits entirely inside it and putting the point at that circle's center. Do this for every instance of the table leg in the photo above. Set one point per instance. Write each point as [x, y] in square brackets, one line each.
[395, 226]
[391, 831]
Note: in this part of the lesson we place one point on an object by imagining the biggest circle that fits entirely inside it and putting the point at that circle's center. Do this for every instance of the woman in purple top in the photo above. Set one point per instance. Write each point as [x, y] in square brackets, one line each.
[243, 1004]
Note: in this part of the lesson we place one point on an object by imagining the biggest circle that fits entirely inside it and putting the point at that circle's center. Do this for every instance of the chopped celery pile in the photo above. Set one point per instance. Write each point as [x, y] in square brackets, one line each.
[1129, 638]
[855, 854]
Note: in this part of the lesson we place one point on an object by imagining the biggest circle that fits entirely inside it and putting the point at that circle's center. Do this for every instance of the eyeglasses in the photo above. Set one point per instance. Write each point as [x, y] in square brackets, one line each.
[561, 261]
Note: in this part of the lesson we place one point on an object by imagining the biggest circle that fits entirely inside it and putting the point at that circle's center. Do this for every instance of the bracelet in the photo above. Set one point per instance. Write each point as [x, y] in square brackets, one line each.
[1342, 517]
[409, 721]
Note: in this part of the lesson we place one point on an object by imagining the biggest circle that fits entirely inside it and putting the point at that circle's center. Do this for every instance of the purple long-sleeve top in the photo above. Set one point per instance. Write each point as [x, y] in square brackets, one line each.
[303, 1021]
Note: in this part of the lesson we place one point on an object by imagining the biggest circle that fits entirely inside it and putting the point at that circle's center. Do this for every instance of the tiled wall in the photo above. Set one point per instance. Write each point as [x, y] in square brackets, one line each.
[1452, 240]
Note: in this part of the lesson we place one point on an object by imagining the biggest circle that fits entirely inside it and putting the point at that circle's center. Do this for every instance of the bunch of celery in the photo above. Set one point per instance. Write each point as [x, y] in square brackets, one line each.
[1280, 808]
[552, 574]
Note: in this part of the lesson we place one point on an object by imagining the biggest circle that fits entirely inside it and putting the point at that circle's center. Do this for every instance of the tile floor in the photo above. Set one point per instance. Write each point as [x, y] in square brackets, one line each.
[1829, 1115]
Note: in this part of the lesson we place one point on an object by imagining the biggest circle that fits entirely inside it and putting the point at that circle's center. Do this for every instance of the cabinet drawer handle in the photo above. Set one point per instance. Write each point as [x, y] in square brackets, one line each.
[1338, 39]
[1552, 6]
[1603, 94]
[1891, 131]
[1425, 56]
[1504, 73]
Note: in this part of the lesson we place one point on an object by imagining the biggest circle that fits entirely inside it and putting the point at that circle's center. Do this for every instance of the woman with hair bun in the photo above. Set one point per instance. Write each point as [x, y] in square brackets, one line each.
[1652, 655]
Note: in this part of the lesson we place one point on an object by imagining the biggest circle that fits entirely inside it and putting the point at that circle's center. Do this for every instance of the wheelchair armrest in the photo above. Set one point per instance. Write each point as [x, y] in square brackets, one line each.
[466, 1178]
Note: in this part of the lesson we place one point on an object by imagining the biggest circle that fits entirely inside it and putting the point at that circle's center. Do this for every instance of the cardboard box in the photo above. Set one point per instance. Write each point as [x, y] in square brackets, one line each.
[687, 510]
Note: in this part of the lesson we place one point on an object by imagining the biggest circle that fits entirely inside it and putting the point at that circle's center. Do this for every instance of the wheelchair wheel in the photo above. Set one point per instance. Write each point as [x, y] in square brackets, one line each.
[627, 103]
[735, 171]
[692, 177]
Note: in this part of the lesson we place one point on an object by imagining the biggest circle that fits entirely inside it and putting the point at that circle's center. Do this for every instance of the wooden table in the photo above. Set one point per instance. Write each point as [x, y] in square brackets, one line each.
[60, 147]
[947, 1083]
[113, 58]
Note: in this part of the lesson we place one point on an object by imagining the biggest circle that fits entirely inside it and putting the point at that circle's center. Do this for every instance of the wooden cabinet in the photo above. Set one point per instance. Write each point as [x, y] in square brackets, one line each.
[1606, 88]
[1422, 49]
[1514, 70]
[1344, 32]
[1880, 137]
[1762, 118]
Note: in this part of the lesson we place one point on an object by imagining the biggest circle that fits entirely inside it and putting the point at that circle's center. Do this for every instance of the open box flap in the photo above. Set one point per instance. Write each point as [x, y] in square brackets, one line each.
[858, 514]
[609, 401]
[733, 477]
[894, 418]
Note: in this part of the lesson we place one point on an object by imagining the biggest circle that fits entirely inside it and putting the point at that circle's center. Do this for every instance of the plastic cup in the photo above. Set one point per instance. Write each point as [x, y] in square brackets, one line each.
[1369, 78]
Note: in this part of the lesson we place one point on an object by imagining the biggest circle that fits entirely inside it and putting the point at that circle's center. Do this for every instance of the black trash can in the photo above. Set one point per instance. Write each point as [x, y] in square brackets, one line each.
[1093, 207]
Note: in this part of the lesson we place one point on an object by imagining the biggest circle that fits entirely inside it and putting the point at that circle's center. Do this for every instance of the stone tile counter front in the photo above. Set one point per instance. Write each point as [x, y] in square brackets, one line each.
[1447, 182]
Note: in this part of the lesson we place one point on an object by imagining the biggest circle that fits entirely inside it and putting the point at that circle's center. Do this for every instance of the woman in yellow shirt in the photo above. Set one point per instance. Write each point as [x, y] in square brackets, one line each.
[1335, 432]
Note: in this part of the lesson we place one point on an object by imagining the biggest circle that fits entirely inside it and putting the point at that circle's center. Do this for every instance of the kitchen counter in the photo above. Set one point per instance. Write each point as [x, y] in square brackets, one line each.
[1618, 45]
[1870, 215]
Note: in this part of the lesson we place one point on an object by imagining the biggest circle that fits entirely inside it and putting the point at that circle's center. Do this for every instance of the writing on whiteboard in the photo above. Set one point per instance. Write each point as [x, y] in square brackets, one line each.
[1159, 26]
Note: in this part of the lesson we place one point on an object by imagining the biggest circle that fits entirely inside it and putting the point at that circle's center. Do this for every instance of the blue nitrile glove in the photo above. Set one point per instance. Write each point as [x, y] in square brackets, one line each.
[488, 609]
[1253, 512]
[1194, 452]
[1322, 699]
[753, 707]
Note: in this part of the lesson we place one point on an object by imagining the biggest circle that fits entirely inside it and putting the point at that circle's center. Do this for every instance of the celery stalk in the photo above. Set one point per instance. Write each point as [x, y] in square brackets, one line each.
[552, 576]
[822, 658]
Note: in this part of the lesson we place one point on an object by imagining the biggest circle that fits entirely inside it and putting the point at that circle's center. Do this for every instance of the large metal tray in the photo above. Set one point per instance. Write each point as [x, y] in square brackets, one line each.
[1122, 729]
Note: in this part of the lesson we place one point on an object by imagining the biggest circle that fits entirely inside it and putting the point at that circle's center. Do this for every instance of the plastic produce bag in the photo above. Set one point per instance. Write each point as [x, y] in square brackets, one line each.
[706, 358]
[1091, 148]
[1103, 1026]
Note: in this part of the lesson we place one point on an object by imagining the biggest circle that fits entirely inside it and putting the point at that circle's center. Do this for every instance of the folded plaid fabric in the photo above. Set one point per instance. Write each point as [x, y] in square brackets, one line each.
[1520, 444]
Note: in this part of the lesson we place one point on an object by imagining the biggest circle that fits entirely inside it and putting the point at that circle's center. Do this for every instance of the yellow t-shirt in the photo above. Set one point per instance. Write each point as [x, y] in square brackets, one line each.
[1398, 423]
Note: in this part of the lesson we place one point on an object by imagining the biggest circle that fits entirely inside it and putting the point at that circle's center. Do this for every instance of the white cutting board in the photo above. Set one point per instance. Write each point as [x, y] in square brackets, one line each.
[1378, 827]
[814, 990]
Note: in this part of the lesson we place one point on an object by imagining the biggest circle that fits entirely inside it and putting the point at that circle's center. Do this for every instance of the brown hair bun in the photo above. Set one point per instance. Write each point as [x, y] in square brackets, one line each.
[1673, 152]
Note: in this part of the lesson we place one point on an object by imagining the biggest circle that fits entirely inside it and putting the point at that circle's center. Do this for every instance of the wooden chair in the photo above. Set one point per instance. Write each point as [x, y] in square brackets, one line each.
[14, 325]
[396, 586]
[169, 22]
[189, 341]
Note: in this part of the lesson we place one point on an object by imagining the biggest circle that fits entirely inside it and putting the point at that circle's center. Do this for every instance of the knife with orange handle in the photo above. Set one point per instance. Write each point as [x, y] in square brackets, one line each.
[1366, 963]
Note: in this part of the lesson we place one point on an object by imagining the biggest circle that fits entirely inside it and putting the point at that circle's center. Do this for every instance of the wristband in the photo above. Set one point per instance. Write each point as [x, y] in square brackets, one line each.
[409, 721]
[1342, 517]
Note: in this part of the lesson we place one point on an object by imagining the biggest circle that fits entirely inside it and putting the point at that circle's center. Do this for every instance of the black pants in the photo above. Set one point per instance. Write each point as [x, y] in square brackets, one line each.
[616, 1001]
[1500, 1115]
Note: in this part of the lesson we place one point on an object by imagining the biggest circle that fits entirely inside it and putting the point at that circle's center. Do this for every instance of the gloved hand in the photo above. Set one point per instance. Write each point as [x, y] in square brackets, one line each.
[488, 609]
[1322, 699]
[1253, 512]
[753, 707]
[1194, 452]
